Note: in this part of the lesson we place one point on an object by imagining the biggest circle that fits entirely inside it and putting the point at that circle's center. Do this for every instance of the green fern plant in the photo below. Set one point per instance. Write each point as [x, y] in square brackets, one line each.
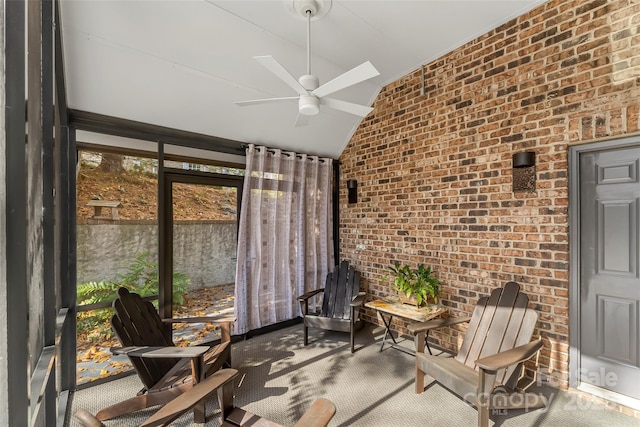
[141, 277]
[418, 282]
[94, 292]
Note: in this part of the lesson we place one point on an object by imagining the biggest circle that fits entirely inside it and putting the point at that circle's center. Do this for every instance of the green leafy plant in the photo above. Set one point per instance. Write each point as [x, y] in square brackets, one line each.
[94, 292]
[418, 282]
[141, 277]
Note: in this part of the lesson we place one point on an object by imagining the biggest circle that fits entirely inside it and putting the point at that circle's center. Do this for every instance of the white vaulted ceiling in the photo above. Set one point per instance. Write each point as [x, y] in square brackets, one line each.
[182, 64]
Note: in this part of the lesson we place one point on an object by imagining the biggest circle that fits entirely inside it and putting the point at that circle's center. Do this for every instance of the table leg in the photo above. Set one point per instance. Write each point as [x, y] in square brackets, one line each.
[387, 329]
[426, 341]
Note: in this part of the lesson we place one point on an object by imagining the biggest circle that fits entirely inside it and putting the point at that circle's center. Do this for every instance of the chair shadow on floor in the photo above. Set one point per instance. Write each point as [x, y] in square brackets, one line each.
[280, 378]
[256, 373]
[551, 395]
[221, 383]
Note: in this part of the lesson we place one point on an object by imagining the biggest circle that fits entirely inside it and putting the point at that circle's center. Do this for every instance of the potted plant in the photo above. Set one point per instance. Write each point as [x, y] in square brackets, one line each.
[415, 286]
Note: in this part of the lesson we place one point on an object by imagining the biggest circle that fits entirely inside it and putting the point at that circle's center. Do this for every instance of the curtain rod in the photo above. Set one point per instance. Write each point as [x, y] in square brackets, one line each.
[286, 153]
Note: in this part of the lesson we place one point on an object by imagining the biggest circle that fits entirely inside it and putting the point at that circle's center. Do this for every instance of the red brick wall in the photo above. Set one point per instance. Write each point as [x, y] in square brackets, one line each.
[435, 175]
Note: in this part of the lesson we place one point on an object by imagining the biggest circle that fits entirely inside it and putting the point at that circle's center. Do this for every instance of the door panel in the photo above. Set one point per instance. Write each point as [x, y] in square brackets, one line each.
[198, 265]
[616, 332]
[617, 237]
[609, 282]
[617, 172]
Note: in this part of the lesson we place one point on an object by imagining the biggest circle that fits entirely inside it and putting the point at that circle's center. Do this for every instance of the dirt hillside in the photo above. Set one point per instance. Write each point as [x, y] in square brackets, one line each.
[137, 191]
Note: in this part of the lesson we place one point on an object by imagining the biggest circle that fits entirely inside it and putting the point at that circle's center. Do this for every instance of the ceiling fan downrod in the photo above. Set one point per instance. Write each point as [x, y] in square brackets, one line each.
[309, 105]
[308, 42]
[308, 9]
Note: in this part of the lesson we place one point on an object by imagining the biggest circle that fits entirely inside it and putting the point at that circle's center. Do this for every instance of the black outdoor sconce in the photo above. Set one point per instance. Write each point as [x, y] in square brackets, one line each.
[524, 171]
[352, 188]
[524, 159]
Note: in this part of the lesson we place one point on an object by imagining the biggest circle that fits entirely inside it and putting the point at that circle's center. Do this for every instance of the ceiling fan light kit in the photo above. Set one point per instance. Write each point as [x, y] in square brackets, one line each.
[309, 105]
[310, 93]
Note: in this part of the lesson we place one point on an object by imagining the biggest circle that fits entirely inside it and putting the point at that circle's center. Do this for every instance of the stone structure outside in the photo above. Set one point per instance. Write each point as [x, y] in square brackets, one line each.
[205, 251]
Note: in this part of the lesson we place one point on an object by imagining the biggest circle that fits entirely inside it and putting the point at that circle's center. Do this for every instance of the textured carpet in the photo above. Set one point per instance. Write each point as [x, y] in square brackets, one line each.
[280, 378]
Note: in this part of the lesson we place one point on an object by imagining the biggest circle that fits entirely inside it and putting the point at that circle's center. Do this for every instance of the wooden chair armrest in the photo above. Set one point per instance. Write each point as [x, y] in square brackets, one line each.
[508, 358]
[309, 294]
[418, 327]
[358, 300]
[318, 415]
[125, 350]
[178, 406]
[224, 321]
[161, 352]
[87, 420]
[190, 398]
[203, 319]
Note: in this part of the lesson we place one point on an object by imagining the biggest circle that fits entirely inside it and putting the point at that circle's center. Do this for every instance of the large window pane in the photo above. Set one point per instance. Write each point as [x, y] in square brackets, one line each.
[117, 243]
[204, 257]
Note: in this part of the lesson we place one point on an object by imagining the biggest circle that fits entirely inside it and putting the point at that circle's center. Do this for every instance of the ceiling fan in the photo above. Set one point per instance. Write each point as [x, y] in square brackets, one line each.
[310, 94]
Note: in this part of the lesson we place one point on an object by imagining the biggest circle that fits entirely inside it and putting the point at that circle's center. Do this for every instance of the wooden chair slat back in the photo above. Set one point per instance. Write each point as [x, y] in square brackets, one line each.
[342, 285]
[511, 375]
[514, 328]
[146, 373]
[140, 318]
[329, 298]
[353, 287]
[506, 313]
[499, 322]
[341, 290]
[479, 325]
[137, 323]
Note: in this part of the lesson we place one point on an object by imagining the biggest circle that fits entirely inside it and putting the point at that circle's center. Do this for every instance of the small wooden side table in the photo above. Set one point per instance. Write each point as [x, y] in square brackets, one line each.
[389, 308]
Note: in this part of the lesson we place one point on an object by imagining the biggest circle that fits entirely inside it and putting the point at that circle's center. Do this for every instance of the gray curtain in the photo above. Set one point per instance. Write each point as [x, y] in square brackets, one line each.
[285, 241]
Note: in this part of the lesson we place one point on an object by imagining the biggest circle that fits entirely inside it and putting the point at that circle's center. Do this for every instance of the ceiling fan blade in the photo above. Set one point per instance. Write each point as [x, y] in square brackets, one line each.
[356, 75]
[264, 101]
[274, 66]
[347, 107]
[301, 120]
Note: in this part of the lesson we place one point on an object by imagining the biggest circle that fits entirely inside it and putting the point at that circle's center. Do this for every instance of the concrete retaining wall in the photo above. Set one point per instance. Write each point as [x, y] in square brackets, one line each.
[203, 250]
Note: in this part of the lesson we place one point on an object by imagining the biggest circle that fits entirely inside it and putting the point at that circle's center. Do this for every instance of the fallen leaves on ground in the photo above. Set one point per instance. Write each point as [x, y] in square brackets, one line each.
[93, 355]
[96, 354]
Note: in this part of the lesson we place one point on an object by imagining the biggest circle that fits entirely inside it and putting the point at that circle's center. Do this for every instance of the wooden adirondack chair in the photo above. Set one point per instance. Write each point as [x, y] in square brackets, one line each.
[318, 415]
[341, 304]
[488, 366]
[166, 373]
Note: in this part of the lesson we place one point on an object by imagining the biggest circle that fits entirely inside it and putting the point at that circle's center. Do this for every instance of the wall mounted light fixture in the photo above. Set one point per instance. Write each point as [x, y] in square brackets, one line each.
[524, 171]
[524, 159]
[352, 188]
